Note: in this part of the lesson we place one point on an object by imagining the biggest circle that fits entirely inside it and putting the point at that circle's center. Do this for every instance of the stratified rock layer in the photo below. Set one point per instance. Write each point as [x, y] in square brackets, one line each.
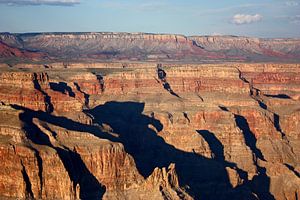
[151, 132]
[107, 46]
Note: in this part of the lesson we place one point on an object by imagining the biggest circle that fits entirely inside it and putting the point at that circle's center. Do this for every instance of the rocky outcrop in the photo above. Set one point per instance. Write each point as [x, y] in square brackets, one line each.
[230, 132]
[33, 90]
[24, 89]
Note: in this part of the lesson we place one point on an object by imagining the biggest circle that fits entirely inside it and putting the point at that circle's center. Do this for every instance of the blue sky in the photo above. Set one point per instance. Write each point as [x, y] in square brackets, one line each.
[264, 18]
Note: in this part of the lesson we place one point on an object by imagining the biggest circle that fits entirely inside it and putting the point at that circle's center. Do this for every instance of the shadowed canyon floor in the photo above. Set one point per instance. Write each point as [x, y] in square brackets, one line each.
[151, 131]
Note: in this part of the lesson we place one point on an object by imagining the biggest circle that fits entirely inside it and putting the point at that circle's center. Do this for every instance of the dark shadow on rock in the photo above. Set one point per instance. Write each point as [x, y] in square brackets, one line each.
[86, 96]
[63, 88]
[277, 125]
[262, 105]
[162, 76]
[167, 87]
[250, 138]
[203, 178]
[261, 184]
[242, 77]
[185, 115]
[290, 167]
[255, 93]
[62, 122]
[215, 145]
[206, 178]
[217, 150]
[279, 96]
[224, 108]
[28, 187]
[90, 188]
[47, 98]
[100, 79]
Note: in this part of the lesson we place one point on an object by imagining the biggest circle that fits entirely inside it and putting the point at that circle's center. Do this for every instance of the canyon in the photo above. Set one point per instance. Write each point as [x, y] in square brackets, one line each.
[111, 46]
[167, 131]
[149, 116]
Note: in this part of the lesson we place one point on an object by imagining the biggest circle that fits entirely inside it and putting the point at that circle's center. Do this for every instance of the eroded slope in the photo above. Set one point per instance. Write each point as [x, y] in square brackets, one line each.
[160, 132]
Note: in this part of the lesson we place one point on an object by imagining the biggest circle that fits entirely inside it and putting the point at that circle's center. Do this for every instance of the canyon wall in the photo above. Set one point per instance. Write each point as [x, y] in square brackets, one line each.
[108, 46]
[173, 131]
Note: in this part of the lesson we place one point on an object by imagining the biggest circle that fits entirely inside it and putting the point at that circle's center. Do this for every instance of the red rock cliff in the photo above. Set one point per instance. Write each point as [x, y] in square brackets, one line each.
[167, 132]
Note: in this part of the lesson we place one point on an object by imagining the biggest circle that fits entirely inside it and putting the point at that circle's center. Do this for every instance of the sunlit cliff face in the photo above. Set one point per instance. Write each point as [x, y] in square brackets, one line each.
[140, 131]
[90, 47]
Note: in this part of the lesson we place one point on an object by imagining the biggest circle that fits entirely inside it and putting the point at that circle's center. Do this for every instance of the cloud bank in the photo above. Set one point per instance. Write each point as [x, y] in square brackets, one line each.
[40, 2]
[240, 19]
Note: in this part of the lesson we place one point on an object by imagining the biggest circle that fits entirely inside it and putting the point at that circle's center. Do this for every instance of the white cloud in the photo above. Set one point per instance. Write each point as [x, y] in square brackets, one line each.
[291, 3]
[41, 2]
[240, 19]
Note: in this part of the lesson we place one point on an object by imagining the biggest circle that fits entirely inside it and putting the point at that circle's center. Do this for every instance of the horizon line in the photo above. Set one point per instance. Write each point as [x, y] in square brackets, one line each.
[147, 33]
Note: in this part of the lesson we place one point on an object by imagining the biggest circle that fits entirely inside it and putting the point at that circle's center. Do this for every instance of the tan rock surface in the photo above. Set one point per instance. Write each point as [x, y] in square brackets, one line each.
[226, 131]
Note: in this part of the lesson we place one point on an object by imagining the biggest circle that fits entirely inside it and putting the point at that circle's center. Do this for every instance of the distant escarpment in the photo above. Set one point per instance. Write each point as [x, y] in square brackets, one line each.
[12, 53]
[171, 131]
[152, 47]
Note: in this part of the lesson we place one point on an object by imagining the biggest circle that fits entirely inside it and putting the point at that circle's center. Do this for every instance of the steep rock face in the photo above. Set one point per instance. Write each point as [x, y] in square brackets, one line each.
[23, 88]
[87, 83]
[43, 168]
[33, 90]
[254, 125]
[29, 170]
[165, 132]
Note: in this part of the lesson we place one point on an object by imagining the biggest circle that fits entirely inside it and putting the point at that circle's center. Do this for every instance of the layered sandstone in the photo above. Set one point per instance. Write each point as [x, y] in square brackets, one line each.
[218, 131]
[33, 90]
[107, 46]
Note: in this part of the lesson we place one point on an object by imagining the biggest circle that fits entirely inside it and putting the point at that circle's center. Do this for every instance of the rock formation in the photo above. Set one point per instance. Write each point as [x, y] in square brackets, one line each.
[216, 131]
[7, 52]
[107, 46]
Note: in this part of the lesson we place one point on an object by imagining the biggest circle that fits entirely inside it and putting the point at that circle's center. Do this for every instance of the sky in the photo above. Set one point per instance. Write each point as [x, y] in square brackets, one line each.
[255, 18]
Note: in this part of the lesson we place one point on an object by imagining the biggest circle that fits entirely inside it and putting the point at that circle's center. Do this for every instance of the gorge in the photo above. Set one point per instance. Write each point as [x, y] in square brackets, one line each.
[143, 116]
